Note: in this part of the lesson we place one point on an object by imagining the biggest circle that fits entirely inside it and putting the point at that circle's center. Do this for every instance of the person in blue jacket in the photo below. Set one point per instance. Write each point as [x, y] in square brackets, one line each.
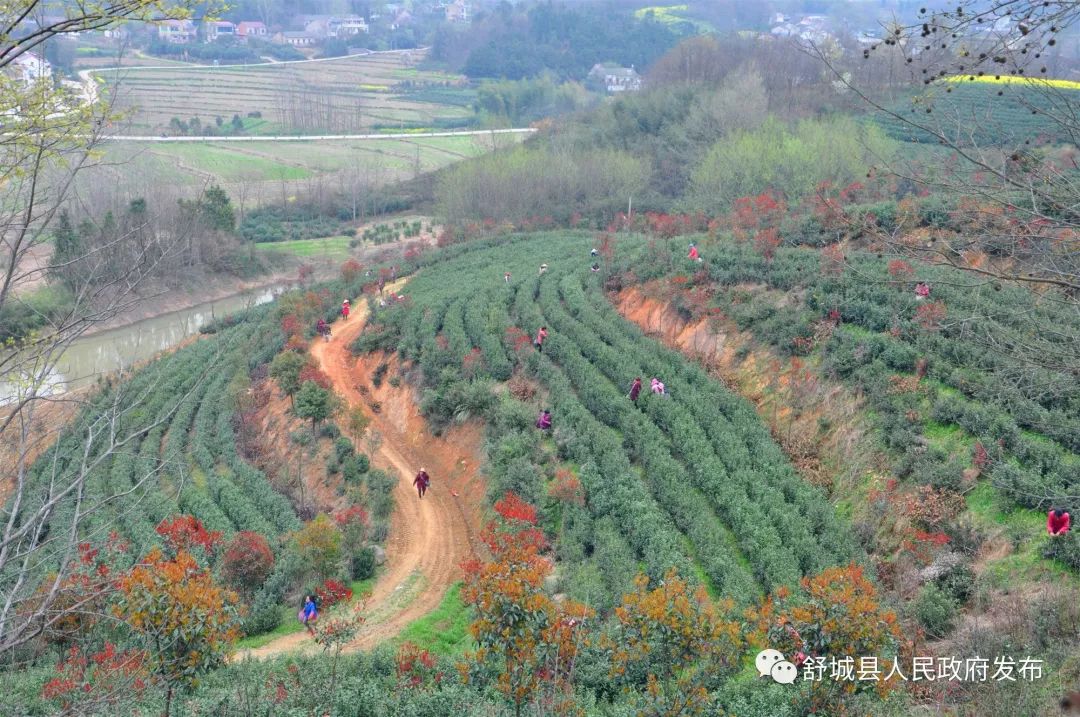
[309, 614]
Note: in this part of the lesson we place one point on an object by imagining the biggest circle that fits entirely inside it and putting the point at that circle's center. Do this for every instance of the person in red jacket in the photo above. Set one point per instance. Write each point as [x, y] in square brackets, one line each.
[540, 336]
[345, 309]
[693, 255]
[543, 421]
[1057, 522]
[635, 389]
[422, 481]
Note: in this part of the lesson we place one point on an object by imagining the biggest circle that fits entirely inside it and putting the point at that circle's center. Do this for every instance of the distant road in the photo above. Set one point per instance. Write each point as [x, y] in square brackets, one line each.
[316, 137]
[270, 62]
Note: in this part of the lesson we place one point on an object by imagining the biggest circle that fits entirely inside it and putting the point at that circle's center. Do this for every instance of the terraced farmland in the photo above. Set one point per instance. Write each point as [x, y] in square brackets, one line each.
[353, 94]
[692, 481]
[258, 169]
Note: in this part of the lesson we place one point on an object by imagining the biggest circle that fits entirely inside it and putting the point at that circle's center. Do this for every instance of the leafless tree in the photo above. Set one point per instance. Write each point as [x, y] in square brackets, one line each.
[1014, 183]
[47, 138]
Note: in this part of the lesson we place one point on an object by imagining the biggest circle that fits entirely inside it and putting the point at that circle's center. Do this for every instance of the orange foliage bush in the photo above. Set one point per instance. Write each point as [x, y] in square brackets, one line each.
[681, 638]
[837, 615]
[567, 488]
[186, 621]
[525, 638]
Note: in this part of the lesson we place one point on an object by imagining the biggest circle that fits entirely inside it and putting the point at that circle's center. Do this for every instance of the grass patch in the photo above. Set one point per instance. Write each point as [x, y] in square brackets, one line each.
[229, 164]
[986, 504]
[329, 247]
[362, 588]
[445, 630]
[942, 431]
[699, 571]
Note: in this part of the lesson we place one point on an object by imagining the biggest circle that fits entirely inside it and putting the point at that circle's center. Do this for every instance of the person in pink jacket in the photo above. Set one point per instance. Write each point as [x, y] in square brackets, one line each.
[1057, 522]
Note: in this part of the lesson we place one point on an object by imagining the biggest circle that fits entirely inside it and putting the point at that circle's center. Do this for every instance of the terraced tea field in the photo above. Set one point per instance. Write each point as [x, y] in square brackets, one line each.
[973, 113]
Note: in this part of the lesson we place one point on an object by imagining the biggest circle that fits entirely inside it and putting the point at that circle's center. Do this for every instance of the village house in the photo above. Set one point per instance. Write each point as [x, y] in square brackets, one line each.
[323, 27]
[176, 30]
[216, 29]
[348, 26]
[615, 79]
[246, 29]
[318, 26]
[295, 38]
[811, 28]
[33, 67]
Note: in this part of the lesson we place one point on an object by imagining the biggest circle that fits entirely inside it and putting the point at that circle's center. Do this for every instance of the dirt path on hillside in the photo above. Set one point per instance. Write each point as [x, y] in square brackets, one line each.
[429, 538]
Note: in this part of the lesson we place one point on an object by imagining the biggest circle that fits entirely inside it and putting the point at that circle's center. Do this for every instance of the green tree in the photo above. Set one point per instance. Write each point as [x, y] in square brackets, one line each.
[318, 545]
[789, 160]
[217, 209]
[285, 369]
[314, 402]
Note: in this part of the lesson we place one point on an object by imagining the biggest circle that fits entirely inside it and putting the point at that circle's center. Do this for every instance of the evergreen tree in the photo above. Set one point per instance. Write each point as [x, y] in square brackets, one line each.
[217, 210]
[67, 248]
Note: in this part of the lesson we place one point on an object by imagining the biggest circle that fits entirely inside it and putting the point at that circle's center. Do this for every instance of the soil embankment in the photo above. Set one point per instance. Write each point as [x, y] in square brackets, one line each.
[817, 423]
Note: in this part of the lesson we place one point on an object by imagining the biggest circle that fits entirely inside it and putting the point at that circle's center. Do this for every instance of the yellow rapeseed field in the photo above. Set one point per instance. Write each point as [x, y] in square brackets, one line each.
[1016, 79]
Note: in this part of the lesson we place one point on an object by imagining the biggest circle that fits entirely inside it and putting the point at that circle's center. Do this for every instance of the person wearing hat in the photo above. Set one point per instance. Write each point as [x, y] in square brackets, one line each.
[422, 481]
[345, 309]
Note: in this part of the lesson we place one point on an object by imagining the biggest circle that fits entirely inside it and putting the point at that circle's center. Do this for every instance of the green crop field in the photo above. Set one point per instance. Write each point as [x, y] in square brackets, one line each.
[258, 169]
[354, 94]
[692, 481]
[328, 248]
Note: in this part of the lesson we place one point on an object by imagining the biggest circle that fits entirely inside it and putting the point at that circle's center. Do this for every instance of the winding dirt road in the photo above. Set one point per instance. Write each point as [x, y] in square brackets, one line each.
[429, 538]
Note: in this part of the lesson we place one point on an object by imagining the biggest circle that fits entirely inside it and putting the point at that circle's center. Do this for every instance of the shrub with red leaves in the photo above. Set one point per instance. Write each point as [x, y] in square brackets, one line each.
[186, 532]
[291, 326]
[832, 260]
[247, 561]
[980, 458]
[445, 238]
[766, 242]
[900, 270]
[416, 668]
[103, 679]
[472, 363]
[350, 270]
[332, 592]
[567, 488]
[514, 509]
[930, 315]
[517, 339]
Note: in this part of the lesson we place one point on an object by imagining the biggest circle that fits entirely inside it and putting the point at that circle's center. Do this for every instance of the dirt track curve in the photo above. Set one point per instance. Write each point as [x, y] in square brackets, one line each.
[429, 538]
